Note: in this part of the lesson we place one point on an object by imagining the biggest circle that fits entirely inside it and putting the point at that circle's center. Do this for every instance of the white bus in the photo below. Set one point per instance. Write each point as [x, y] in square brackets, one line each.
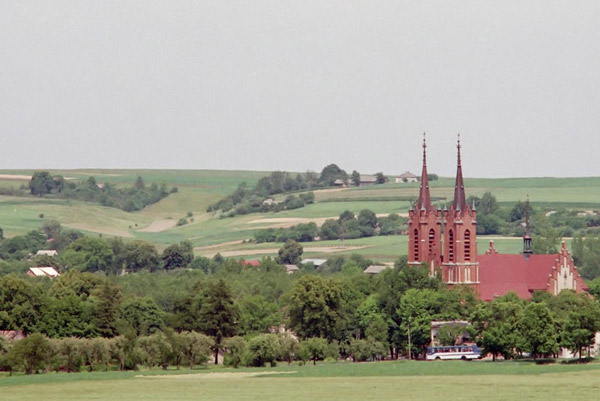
[464, 352]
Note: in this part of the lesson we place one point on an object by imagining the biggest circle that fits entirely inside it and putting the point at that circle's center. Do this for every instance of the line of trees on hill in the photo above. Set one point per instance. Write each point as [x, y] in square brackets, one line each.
[130, 199]
[336, 311]
[347, 226]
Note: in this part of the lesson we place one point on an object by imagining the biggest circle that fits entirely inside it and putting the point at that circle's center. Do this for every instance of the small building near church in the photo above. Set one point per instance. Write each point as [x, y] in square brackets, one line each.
[291, 269]
[375, 269]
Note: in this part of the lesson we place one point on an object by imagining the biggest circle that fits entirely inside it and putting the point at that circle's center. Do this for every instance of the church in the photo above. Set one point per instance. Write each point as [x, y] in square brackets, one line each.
[446, 240]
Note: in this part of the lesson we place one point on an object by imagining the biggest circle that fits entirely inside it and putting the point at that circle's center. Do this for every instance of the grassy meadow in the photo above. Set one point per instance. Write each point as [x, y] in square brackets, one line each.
[210, 234]
[448, 380]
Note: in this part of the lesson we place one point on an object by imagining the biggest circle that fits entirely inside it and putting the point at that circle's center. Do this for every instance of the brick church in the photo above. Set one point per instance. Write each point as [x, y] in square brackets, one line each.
[492, 274]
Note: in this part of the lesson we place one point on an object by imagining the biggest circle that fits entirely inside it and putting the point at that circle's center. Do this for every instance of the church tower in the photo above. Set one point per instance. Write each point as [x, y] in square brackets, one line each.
[460, 264]
[424, 226]
[527, 251]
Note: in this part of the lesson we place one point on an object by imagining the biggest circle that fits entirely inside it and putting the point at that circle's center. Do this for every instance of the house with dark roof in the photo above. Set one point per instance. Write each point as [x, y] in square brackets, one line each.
[490, 275]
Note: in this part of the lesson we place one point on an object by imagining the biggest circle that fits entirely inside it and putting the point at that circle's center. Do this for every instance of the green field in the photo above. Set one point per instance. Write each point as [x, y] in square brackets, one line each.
[200, 188]
[341, 381]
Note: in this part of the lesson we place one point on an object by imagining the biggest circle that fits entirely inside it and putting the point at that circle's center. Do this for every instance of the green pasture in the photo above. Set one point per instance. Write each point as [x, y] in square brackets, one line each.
[341, 381]
[200, 188]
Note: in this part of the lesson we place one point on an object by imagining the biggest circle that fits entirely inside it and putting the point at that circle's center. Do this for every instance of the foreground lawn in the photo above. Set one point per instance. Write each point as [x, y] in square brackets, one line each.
[237, 386]
[340, 381]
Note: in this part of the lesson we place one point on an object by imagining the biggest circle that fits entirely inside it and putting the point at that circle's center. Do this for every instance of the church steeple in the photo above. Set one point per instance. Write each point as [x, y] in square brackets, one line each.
[527, 251]
[424, 202]
[424, 225]
[460, 200]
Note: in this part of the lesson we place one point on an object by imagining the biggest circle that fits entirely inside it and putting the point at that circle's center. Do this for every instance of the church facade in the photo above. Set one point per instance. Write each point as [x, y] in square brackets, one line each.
[446, 240]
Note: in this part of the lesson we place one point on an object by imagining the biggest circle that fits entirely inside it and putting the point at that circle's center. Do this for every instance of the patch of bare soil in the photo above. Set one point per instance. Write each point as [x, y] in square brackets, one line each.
[158, 226]
[15, 177]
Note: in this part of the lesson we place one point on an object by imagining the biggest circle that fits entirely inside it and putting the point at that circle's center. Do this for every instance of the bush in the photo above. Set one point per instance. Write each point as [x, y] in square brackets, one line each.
[261, 349]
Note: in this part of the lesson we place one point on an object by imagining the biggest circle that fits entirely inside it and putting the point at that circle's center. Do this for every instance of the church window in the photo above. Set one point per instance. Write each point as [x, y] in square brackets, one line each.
[467, 245]
[416, 245]
[431, 240]
[451, 246]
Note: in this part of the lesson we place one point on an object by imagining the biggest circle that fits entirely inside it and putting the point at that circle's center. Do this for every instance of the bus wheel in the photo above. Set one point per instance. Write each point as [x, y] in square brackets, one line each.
[464, 358]
[437, 358]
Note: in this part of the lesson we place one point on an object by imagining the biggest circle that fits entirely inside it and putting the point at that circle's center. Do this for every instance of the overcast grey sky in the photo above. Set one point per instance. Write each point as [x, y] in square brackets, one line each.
[295, 85]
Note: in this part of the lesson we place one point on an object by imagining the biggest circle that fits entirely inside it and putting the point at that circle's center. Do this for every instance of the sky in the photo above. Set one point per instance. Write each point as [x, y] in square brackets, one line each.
[296, 85]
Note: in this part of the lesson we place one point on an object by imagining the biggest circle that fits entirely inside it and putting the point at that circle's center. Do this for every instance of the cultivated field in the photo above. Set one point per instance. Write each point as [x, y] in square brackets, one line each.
[342, 381]
[200, 188]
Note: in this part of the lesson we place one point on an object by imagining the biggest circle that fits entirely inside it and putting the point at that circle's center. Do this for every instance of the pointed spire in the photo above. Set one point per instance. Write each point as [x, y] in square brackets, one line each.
[527, 251]
[460, 200]
[424, 202]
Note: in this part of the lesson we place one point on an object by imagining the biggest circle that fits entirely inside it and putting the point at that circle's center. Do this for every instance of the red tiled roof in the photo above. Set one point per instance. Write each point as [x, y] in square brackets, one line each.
[252, 263]
[502, 273]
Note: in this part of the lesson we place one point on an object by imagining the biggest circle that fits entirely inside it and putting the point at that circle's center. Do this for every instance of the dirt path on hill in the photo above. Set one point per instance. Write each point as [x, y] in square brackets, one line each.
[158, 226]
[266, 251]
[15, 177]
[107, 231]
[210, 247]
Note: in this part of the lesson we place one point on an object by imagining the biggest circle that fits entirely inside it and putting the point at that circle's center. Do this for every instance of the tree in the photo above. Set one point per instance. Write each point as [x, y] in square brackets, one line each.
[139, 183]
[288, 347]
[518, 211]
[234, 351]
[31, 353]
[313, 349]
[381, 179]
[71, 351]
[488, 204]
[367, 222]
[538, 332]
[355, 178]
[257, 315]
[88, 254]
[142, 315]
[290, 253]
[581, 327]
[546, 243]
[316, 307]
[330, 230]
[140, 255]
[51, 228]
[178, 255]
[41, 183]
[108, 300]
[218, 314]
[331, 173]
[496, 325]
[262, 349]
[196, 347]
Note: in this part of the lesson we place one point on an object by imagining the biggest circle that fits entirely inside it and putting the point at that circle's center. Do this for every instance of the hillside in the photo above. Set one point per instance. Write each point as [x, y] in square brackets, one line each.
[210, 234]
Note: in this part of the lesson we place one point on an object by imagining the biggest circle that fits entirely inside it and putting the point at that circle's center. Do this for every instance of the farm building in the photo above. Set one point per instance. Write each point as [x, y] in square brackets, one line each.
[490, 275]
[375, 269]
[290, 269]
[315, 262]
[12, 335]
[42, 272]
[339, 183]
[406, 177]
[46, 252]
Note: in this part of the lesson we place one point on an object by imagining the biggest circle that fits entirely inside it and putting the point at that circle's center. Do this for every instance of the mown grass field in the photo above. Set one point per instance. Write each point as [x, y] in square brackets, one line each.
[341, 381]
[200, 188]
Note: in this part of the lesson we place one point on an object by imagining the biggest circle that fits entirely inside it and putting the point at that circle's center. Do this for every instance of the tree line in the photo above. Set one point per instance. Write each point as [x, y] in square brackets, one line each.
[336, 312]
[347, 226]
[129, 199]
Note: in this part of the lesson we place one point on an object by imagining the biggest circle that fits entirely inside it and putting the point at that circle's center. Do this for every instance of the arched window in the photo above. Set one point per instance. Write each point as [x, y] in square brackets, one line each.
[450, 246]
[467, 245]
[416, 245]
[431, 240]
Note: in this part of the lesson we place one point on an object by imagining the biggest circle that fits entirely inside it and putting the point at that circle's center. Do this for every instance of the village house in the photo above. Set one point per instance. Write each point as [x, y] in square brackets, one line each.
[47, 252]
[406, 177]
[42, 272]
[375, 269]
